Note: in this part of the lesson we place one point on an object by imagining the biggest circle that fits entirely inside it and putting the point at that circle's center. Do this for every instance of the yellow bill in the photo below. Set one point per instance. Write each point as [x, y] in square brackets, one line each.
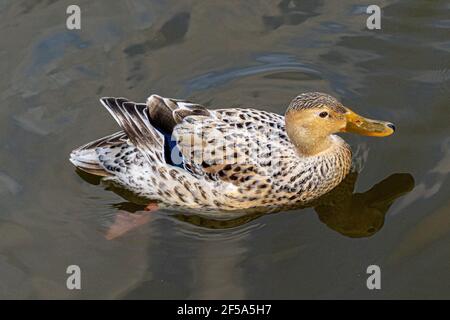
[367, 127]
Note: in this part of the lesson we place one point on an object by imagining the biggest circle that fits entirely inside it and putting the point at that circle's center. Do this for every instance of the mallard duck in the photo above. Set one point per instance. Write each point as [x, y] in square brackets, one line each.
[181, 155]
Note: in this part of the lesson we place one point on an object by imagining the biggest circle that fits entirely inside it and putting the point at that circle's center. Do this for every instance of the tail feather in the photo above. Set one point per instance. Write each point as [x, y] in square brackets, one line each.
[87, 160]
[86, 157]
[148, 127]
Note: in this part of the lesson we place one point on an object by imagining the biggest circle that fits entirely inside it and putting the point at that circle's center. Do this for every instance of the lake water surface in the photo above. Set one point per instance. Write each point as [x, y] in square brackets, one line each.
[220, 54]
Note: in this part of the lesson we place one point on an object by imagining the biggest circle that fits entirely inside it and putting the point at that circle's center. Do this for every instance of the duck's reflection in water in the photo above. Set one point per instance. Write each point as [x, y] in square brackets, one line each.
[361, 214]
[351, 214]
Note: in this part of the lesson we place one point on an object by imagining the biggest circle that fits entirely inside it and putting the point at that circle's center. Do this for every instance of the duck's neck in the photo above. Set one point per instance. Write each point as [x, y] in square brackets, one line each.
[308, 143]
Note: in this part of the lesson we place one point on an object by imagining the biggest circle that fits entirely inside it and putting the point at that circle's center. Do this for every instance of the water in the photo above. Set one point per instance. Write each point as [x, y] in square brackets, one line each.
[224, 54]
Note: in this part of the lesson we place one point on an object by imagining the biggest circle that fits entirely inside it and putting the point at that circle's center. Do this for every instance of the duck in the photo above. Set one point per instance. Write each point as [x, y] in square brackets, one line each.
[229, 162]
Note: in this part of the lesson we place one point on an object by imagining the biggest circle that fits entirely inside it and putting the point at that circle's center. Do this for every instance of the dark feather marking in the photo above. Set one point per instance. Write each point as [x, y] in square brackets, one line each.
[133, 118]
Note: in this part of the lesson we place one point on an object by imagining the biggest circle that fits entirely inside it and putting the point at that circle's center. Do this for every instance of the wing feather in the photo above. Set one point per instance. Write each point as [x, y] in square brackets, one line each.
[133, 118]
[239, 146]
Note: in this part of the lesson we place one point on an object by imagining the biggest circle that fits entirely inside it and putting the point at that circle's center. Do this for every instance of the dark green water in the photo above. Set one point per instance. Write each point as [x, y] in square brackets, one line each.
[221, 54]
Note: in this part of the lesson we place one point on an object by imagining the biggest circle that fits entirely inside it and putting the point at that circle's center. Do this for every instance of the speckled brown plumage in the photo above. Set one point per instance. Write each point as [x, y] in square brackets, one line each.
[227, 161]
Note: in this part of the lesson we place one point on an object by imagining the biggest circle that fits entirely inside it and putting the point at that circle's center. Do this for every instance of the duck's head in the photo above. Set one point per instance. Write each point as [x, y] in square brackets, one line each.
[313, 117]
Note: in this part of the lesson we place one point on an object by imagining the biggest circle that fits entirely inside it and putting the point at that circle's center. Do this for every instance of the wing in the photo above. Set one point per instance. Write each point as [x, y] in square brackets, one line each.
[133, 118]
[241, 146]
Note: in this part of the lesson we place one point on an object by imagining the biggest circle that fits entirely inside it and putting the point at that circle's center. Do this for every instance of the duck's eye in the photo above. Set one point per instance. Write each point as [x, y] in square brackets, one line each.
[323, 114]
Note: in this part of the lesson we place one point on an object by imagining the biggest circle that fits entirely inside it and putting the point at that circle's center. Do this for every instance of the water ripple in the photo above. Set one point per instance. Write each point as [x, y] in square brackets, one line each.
[267, 63]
